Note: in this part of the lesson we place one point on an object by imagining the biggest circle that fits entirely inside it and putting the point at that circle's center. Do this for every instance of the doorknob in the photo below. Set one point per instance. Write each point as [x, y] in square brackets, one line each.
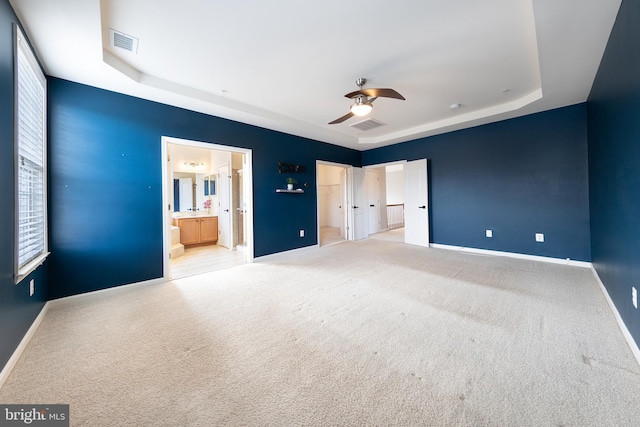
[226, 210]
[422, 207]
[355, 207]
[372, 206]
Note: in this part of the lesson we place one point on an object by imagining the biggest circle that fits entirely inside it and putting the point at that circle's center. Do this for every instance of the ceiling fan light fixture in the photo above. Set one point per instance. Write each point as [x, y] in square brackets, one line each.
[361, 109]
[363, 98]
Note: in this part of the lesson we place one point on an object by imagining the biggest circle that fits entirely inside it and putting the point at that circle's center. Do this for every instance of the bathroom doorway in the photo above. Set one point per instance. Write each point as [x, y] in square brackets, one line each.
[207, 216]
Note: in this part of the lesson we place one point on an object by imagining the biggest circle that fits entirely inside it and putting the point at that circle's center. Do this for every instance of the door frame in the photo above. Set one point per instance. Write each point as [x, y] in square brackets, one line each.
[229, 222]
[167, 203]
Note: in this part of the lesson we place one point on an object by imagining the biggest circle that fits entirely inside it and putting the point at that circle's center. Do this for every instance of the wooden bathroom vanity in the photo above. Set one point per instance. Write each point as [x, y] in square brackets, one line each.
[197, 230]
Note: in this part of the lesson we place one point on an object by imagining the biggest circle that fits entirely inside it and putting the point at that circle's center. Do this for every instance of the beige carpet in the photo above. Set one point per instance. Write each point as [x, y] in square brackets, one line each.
[395, 235]
[360, 333]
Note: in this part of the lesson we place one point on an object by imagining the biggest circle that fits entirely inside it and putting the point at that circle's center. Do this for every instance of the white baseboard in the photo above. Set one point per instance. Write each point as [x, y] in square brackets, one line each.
[627, 335]
[514, 255]
[6, 371]
[277, 254]
[158, 281]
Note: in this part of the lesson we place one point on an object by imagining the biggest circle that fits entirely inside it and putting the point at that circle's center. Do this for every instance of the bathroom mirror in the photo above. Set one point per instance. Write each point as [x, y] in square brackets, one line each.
[190, 190]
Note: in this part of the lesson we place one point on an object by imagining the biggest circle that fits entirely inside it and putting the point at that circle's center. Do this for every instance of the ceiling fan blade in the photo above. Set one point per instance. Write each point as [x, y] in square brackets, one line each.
[352, 95]
[342, 119]
[382, 92]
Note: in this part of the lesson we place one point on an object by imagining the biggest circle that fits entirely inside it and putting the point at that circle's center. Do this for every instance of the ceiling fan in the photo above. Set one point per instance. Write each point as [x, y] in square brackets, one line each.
[363, 99]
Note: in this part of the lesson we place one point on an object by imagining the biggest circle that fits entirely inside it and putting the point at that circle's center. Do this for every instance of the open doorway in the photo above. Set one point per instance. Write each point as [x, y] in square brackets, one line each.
[332, 203]
[358, 203]
[378, 198]
[384, 193]
[406, 201]
[208, 210]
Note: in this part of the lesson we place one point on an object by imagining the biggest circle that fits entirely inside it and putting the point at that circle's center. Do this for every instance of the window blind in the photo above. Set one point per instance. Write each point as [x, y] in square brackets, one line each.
[31, 140]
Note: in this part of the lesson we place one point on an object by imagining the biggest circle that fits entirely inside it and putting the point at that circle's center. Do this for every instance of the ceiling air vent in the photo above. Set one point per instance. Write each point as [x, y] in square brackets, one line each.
[123, 41]
[367, 124]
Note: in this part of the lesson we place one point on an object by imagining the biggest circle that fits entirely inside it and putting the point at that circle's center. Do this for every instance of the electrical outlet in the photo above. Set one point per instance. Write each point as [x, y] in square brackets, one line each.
[539, 237]
[489, 233]
[32, 287]
[301, 233]
[634, 296]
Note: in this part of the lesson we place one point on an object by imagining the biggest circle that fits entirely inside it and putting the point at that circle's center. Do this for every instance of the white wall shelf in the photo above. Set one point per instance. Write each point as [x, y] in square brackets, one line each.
[284, 190]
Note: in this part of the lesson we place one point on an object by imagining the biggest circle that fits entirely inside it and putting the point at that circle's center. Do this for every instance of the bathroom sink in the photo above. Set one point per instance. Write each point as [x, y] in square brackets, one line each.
[191, 215]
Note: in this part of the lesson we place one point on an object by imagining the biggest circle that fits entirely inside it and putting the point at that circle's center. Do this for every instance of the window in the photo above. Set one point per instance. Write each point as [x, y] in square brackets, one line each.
[30, 134]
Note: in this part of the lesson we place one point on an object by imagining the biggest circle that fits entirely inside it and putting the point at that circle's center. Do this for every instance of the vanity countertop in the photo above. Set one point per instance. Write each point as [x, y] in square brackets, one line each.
[187, 215]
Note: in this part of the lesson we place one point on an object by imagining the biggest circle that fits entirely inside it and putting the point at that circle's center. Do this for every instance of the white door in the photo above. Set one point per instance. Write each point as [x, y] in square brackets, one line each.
[373, 201]
[416, 210]
[343, 204]
[186, 194]
[358, 204]
[224, 213]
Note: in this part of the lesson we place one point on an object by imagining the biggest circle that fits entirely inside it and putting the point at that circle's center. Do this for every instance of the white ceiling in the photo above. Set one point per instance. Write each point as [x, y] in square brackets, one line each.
[286, 65]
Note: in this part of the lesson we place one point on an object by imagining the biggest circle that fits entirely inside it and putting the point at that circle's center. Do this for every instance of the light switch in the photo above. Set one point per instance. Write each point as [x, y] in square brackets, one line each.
[489, 233]
[539, 237]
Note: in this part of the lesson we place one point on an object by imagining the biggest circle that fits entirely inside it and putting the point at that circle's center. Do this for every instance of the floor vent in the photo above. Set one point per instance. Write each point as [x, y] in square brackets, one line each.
[123, 41]
[367, 124]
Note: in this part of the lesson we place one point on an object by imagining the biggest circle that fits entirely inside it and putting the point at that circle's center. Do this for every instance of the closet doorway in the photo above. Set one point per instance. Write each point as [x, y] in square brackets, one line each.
[332, 203]
[208, 211]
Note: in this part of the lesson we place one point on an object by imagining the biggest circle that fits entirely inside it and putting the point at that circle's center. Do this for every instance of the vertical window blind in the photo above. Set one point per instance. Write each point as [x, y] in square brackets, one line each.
[31, 149]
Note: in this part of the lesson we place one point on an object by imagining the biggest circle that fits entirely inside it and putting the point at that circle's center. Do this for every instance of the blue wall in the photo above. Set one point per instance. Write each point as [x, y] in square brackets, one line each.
[614, 164]
[17, 309]
[516, 177]
[106, 184]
